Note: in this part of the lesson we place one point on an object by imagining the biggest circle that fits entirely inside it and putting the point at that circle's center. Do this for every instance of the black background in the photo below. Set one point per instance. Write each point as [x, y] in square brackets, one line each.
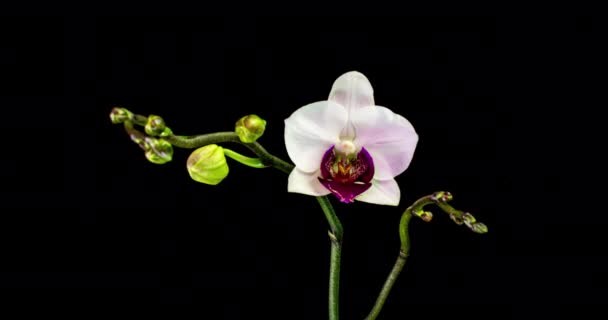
[502, 108]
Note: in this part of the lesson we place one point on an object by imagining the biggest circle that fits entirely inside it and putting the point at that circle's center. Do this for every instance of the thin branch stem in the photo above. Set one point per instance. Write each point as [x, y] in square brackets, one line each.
[417, 209]
[251, 162]
[335, 236]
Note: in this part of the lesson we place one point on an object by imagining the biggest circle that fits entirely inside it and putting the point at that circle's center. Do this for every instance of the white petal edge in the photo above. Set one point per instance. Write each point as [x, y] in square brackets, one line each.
[306, 183]
[311, 130]
[388, 137]
[352, 90]
[382, 192]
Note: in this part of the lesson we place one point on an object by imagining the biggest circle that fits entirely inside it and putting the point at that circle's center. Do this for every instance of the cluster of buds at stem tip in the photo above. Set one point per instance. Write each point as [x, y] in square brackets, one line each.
[250, 128]
[158, 151]
[208, 164]
[459, 217]
[441, 199]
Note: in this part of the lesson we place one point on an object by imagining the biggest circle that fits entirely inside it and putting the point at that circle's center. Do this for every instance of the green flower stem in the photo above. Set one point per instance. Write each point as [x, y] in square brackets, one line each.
[270, 160]
[417, 209]
[139, 120]
[399, 264]
[251, 162]
[336, 253]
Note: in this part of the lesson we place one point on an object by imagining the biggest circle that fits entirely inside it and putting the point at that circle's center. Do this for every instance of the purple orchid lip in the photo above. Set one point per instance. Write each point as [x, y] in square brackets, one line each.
[346, 179]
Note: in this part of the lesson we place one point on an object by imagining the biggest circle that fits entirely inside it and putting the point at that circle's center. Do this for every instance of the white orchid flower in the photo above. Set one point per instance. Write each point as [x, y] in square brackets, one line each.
[348, 146]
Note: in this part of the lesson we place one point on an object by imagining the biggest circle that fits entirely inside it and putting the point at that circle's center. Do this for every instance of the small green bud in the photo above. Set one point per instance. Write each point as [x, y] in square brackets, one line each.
[208, 165]
[426, 216]
[158, 151]
[441, 196]
[250, 128]
[155, 125]
[120, 115]
[479, 227]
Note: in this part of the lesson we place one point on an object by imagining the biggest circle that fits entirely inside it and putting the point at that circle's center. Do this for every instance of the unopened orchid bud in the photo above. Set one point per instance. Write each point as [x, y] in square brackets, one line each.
[479, 227]
[426, 216]
[155, 125]
[468, 219]
[441, 196]
[120, 115]
[457, 218]
[208, 165]
[250, 128]
[158, 151]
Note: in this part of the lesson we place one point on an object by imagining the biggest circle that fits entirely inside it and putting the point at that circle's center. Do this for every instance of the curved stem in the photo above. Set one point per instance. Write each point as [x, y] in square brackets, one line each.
[388, 285]
[220, 137]
[399, 264]
[251, 162]
[439, 199]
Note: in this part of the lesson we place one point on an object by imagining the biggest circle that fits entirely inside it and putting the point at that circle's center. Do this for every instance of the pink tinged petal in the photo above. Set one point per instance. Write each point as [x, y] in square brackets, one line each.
[388, 137]
[352, 90]
[306, 183]
[311, 130]
[345, 192]
[382, 192]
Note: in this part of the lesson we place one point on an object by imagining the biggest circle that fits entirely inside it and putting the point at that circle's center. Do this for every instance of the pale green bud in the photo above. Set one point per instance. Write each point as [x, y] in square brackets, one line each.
[158, 151]
[250, 128]
[155, 125]
[468, 219]
[479, 227]
[208, 165]
[120, 115]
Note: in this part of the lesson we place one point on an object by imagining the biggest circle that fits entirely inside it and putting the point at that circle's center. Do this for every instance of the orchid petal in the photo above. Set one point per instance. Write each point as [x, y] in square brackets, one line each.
[352, 90]
[311, 130]
[388, 137]
[305, 183]
[382, 192]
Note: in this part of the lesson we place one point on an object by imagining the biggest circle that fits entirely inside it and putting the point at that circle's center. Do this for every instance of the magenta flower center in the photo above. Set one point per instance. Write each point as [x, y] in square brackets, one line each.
[346, 175]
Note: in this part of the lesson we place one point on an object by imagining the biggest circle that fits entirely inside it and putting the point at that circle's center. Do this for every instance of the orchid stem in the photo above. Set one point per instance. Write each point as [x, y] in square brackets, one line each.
[251, 162]
[439, 199]
[335, 236]
[404, 252]
[266, 159]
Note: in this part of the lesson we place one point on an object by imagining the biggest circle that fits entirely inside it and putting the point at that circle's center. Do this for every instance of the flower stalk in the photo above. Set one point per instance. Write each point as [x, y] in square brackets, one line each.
[439, 199]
